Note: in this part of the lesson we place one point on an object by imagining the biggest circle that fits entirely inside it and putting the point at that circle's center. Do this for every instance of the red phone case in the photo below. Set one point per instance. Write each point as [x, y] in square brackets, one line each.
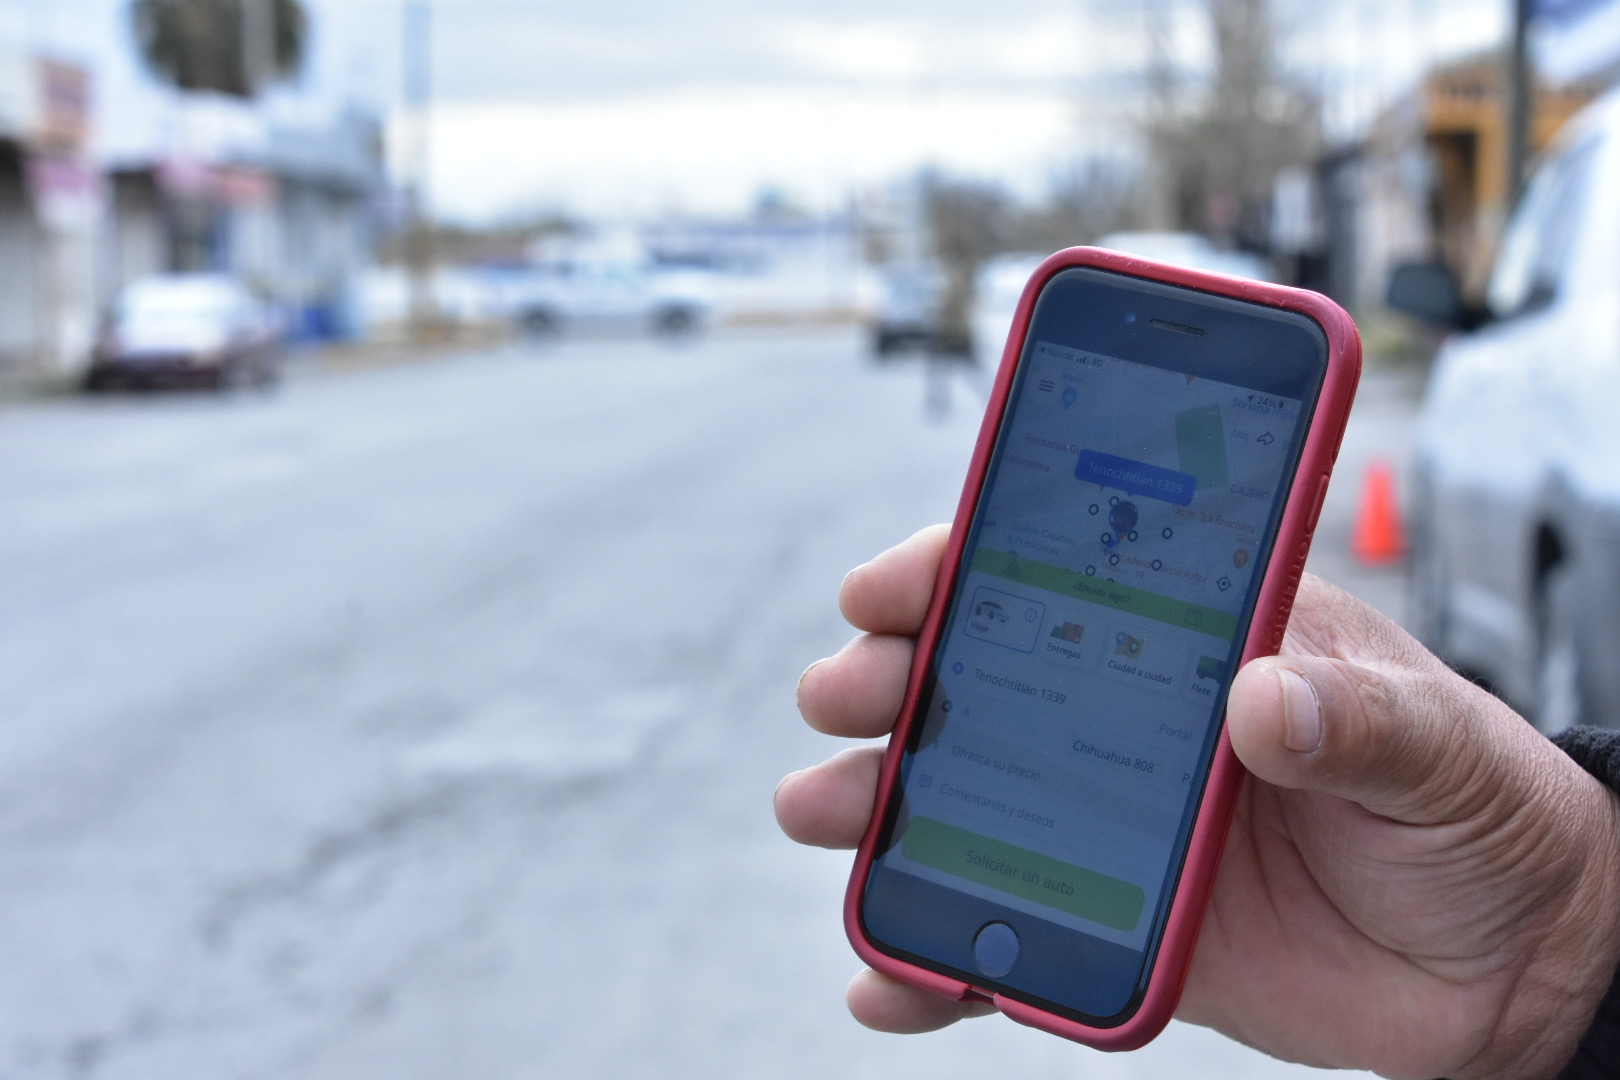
[1275, 600]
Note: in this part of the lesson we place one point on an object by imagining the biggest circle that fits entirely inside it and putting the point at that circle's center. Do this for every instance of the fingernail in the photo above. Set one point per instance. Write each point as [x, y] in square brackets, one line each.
[798, 689]
[805, 674]
[782, 783]
[1302, 714]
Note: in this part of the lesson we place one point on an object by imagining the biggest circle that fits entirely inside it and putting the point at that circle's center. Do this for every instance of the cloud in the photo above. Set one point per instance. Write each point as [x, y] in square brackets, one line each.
[872, 50]
[696, 104]
[504, 49]
[710, 150]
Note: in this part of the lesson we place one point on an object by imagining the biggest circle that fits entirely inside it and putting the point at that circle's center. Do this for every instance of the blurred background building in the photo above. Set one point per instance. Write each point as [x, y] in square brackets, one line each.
[49, 189]
[365, 175]
[173, 168]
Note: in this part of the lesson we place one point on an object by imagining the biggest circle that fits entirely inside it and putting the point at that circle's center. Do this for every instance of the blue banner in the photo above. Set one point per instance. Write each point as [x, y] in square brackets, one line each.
[1135, 477]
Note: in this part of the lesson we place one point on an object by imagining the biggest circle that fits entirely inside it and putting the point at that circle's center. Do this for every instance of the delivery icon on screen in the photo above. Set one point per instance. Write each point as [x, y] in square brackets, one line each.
[1128, 645]
[1070, 632]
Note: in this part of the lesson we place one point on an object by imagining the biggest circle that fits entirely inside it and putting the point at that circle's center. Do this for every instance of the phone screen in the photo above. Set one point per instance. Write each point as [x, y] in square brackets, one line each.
[1079, 681]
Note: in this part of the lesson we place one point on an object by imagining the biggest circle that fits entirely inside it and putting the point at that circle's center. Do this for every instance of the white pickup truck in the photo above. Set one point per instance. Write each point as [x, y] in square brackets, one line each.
[571, 297]
[1515, 571]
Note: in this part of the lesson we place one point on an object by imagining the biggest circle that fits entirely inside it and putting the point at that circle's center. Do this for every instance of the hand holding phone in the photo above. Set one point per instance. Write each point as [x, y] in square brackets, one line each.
[1430, 892]
[1133, 528]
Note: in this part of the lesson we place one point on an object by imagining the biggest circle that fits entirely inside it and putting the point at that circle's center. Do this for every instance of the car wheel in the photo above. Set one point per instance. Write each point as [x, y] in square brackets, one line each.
[951, 345]
[1560, 696]
[229, 376]
[675, 322]
[539, 324]
[1426, 587]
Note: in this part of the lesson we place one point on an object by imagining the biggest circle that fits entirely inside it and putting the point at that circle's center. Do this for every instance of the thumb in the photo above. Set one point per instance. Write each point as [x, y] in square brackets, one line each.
[1413, 742]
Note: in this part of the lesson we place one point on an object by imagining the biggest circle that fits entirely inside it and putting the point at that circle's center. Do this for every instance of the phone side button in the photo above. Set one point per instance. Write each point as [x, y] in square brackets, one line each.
[995, 949]
[1316, 505]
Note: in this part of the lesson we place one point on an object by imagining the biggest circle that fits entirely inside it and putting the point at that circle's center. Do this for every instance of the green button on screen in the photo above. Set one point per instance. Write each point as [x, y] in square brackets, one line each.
[1068, 888]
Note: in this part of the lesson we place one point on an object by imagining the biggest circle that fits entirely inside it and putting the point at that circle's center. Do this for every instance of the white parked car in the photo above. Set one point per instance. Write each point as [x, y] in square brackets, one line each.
[996, 289]
[1515, 512]
[195, 328]
[1190, 250]
[593, 297]
[1000, 281]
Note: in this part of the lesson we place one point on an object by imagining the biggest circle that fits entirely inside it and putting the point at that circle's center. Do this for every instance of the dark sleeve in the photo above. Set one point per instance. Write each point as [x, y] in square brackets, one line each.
[1597, 750]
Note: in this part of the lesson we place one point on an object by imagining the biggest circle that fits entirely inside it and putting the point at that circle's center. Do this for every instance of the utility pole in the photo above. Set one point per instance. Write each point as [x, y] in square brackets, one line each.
[418, 164]
[258, 45]
[1520, 104]
[258, 72]
[1163, 86]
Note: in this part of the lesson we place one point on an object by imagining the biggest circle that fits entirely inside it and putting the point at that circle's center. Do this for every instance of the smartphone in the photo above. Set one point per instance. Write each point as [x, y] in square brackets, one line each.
[1133, 528]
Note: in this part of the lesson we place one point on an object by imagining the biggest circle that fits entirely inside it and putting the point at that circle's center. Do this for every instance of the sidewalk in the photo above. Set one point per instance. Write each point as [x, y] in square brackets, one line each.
[22, 385]
[17, 386]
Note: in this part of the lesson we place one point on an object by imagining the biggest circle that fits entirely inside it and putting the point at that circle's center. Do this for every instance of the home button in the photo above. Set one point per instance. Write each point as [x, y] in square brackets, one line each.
[995, 949]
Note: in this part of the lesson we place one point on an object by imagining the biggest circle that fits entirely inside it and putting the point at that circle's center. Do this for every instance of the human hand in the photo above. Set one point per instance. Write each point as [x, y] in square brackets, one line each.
[1415, 881]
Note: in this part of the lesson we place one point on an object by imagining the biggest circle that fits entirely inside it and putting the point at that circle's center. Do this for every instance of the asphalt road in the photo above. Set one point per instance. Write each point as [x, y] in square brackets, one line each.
[422, 721]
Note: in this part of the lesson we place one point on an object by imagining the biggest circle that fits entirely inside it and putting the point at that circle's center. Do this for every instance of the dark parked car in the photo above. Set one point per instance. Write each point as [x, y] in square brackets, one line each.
[910, 312]
[204, 329]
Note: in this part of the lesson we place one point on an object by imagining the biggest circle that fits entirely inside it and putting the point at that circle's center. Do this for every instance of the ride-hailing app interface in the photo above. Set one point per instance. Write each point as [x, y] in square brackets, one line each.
[1095, 624]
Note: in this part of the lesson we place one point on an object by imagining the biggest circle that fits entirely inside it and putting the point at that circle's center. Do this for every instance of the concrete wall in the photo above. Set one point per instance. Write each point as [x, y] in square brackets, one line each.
[21, 249]
[135, 234]
[325, 233]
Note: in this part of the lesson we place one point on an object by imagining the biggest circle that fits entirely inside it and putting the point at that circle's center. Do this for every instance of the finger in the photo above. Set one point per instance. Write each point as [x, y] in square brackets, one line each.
[1415, 743]
[883, 1004]
[858, 692]
[890, 594]
[1327, 621]
[828, 805]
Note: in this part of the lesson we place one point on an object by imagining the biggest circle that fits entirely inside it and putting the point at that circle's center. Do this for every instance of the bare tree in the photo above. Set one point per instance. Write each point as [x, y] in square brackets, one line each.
[1217, 152]
[964, 225]
[1094, 198]
[232, 47]
[969, 221]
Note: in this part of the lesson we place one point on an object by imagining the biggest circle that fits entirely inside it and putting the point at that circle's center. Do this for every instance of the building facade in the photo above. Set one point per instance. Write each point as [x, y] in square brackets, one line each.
[292, 211]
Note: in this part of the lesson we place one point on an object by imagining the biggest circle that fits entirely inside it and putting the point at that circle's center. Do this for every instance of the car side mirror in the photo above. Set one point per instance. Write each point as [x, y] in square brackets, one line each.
[1429, 291]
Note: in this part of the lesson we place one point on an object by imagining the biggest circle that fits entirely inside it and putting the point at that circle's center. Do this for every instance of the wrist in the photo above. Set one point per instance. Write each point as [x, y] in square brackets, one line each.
[1571, 957]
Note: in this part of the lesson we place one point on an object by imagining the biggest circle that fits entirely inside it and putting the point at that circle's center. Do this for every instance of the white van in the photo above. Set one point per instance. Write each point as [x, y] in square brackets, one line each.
[1515, 512]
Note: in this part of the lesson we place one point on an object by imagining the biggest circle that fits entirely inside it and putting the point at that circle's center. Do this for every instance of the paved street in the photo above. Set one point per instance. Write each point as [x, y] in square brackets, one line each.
[421, 722]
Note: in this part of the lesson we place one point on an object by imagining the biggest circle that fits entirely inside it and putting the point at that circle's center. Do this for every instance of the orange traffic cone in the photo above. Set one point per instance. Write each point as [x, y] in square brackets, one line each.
[1378, 538]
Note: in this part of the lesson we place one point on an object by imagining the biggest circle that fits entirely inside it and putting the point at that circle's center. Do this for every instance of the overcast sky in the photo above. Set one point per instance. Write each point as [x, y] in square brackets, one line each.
[638, 106]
